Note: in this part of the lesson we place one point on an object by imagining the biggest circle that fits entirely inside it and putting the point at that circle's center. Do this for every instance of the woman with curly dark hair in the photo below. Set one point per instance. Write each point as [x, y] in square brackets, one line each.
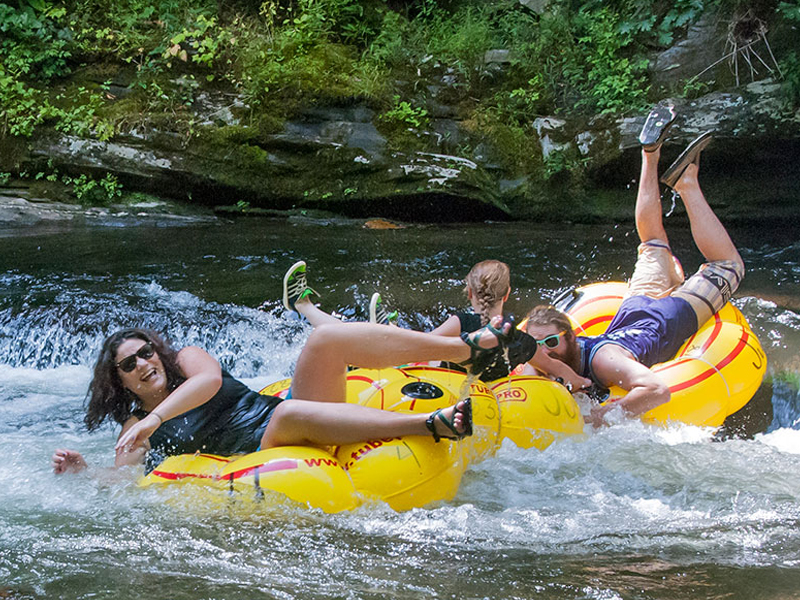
[104, 390]
[176, 402]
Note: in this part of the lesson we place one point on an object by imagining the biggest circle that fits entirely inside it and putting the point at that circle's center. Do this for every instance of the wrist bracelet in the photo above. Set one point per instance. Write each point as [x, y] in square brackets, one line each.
[155, 414]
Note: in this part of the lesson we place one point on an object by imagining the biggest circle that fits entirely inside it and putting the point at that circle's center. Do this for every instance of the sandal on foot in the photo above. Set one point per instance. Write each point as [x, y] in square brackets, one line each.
[481, 358]
[518, 346]
[686, 158]
[465, 410]
[295, 287]
[656, 126]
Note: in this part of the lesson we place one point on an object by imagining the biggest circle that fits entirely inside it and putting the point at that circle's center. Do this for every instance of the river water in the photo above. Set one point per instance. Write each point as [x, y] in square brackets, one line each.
[629, 512]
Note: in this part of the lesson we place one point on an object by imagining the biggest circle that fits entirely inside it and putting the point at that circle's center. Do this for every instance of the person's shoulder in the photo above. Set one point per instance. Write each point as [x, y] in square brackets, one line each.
[190, 352]
[192, 359]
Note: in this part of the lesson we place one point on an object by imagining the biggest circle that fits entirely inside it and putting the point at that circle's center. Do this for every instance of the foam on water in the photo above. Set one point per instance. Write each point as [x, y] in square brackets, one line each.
[627, 511]
[785, 440]
[245, 340]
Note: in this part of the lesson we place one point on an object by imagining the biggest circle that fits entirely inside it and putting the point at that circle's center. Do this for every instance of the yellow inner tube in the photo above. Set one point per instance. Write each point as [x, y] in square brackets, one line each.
[714, 374]
[407, 472]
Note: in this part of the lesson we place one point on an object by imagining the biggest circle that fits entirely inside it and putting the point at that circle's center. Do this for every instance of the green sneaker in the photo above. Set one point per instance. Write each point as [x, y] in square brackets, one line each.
[295, 287]
[378, 314]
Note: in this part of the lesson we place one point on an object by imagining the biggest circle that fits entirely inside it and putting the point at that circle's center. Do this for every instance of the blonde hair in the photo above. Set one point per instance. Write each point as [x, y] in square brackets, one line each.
[489, 282]
[544, 315]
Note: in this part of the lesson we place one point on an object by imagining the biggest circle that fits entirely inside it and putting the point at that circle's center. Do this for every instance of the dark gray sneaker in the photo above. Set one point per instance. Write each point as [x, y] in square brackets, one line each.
[656, 126]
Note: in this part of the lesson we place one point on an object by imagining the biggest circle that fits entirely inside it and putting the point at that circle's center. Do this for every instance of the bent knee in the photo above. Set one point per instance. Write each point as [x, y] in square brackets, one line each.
[320, 335]
[286, 420]
[333, 334]
[289, 410]
[323, 341]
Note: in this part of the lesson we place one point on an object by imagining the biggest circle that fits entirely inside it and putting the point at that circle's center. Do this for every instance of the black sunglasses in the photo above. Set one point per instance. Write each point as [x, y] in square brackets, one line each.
[128, 364]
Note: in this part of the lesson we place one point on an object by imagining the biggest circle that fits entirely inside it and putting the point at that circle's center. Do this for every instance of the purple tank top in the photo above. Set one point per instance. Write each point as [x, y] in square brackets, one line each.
[652, 329]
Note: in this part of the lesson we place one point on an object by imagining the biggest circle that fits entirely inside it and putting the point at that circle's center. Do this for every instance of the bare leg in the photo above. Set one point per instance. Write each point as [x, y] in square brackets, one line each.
[709, 234]
[322, 367]
[301, 422]
[314, 314]
[649, 224]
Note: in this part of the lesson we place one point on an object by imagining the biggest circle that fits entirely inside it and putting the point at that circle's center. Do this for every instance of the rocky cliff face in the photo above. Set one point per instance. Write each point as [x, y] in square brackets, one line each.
[336, 158]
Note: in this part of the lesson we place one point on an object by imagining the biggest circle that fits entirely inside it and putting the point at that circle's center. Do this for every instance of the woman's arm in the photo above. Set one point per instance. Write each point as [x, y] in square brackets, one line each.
[130, 455]
[451, 327]
[72, 461]
[68, 461]
[203, 380]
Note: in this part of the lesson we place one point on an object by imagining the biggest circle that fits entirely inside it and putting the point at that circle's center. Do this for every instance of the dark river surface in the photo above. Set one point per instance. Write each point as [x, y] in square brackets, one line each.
[632, 511]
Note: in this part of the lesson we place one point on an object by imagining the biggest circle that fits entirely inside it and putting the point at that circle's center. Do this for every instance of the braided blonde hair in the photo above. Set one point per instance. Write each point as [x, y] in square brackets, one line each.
[489, 281]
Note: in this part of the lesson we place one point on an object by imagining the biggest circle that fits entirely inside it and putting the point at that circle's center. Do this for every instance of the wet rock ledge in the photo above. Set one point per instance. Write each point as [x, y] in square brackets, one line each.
[336, 159]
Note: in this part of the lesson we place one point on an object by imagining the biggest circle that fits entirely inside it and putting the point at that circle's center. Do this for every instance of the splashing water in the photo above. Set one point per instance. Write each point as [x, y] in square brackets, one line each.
[673, 200]
[628, 511]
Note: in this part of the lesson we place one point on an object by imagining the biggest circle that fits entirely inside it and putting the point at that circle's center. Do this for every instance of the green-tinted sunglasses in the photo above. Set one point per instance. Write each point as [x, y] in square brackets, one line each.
[551, 341]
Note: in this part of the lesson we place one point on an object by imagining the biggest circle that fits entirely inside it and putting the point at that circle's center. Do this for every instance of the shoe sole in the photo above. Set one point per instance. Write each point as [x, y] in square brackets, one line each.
[289, 273]
[467, 415]
[373, 307]
[655, 128]
[690, 155]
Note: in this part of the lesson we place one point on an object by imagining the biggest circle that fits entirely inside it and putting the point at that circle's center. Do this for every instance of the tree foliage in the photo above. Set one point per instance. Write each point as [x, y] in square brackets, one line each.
[579, 56]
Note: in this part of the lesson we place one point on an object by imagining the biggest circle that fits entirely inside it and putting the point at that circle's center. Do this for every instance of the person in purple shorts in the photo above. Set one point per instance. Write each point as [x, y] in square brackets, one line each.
[661, 310]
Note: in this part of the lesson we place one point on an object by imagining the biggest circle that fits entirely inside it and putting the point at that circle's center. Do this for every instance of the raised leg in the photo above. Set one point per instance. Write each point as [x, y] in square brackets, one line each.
[314, 314]
[321, 369]
[649, 224]
[709, 234]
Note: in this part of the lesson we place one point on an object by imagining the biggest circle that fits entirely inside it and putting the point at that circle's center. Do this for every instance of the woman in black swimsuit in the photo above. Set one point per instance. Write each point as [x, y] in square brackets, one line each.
[145, 386]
